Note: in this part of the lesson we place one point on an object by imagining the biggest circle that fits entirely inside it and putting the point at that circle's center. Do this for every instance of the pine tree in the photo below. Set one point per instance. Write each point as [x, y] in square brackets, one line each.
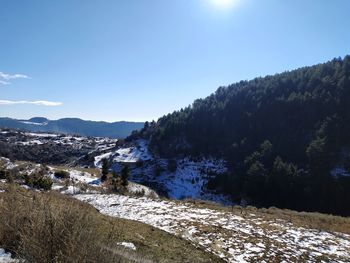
[105, 169]
[125, 175]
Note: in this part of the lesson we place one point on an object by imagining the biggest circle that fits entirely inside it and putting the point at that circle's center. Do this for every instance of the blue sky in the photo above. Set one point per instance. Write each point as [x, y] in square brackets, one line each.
[138, 60]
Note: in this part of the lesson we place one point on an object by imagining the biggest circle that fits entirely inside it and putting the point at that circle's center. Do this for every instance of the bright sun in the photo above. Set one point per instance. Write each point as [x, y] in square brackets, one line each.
[225, 4]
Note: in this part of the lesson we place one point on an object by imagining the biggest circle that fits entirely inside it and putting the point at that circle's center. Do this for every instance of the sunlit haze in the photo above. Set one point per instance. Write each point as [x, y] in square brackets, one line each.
[224, 4]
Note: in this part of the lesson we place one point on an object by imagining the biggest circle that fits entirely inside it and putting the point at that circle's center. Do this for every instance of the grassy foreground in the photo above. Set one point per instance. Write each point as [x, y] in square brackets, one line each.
[50, 227]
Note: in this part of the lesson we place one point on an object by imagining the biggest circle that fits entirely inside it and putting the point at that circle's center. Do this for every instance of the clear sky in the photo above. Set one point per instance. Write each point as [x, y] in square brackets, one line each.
[140, 59]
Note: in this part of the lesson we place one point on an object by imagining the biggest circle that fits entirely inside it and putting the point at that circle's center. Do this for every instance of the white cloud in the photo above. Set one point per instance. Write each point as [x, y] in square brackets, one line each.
[5, 77]
[3, 82]
[38, 102]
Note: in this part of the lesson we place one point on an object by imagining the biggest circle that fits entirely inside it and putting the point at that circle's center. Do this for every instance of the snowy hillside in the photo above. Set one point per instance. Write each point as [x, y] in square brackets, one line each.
[234, 237]
[179, 179]
[76, 180]
[52, 148]
[187, 179]
[78, 142]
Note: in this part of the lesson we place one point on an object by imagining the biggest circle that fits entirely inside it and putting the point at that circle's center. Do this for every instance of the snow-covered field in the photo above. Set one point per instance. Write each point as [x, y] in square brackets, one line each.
[132, 154]
[6, 257]
[235, 238]
[189, 179]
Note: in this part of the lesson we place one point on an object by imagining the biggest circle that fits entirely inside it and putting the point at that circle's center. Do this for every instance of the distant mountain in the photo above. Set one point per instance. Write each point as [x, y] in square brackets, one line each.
[74, 126]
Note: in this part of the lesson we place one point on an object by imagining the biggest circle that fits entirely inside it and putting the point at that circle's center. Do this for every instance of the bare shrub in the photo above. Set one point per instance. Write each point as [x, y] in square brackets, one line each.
[48, 227]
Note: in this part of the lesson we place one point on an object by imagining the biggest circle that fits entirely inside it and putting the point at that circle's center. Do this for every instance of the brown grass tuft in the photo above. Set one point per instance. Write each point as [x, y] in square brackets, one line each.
[51, 228]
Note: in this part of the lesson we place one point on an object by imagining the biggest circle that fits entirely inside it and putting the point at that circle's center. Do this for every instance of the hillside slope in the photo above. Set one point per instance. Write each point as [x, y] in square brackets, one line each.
[62, 229]
[201, 231]
[77, 126]
[237, 235]
[285, 137]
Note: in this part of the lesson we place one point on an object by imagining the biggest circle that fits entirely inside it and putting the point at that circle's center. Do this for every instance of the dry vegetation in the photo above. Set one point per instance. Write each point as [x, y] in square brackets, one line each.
[50, 227]
[313, 220]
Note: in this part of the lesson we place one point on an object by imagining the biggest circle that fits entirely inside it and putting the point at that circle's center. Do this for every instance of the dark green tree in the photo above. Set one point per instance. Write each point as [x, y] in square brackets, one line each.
[105, 169]
[125, 175]
[255, 181]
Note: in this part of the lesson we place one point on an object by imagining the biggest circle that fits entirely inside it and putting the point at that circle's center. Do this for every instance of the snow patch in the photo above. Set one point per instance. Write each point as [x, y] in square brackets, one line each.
[99, 158]
[135, 188]
[34, 123]
[339, 171]
[41, 134]
[133, 154]
[127, 245]
[84, 177]
[6, 257]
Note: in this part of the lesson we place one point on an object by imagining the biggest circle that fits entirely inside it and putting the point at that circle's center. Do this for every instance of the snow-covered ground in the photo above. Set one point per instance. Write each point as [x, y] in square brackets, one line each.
[188, 180]
[84, 177]
[39, 138]
[77, 181]
[35, 123]
[6, 257]
[99, 158]
[6, 163]
[235, 238]
[127, 245]
[37, 134]
[141, 190]
[132, 154]
[339, 171]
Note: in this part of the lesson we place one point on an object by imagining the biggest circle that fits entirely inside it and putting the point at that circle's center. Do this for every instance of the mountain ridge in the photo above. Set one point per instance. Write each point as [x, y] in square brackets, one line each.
[120, 129]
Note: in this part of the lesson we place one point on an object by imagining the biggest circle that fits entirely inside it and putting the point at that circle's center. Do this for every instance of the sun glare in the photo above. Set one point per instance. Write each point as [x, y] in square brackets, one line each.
[224, 4]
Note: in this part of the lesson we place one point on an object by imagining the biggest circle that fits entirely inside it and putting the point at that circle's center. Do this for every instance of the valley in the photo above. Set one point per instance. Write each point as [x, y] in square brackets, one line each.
[172, 195]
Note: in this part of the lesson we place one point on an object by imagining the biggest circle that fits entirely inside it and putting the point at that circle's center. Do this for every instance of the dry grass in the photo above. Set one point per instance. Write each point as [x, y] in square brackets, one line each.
[93, 171]
[50, 227]
[312, 220]
[42, 228]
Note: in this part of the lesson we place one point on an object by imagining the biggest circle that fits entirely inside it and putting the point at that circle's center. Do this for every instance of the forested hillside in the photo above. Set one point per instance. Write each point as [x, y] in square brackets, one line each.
[286, 137]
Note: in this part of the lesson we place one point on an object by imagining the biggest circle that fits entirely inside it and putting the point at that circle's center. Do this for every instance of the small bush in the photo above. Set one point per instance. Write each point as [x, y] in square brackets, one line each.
[39, 181]
[2, 174]
[140, 193]
[62, 174]
[44, 183]
[115, 184]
